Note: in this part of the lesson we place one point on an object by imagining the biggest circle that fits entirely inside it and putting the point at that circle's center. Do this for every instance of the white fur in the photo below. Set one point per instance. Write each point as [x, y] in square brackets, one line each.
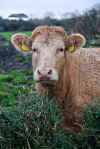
[47, 55]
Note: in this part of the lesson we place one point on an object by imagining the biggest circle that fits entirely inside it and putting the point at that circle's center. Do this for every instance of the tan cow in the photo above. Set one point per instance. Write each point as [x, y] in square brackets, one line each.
[62, 68]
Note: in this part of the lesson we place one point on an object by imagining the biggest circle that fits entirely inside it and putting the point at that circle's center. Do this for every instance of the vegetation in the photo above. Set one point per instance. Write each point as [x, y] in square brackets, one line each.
[32, 124]
[84, 23]
[8, 34]
[13, 85]
[35, 123]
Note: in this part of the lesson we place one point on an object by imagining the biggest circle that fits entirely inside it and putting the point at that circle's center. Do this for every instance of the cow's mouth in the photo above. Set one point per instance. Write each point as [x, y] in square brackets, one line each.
[47, 82]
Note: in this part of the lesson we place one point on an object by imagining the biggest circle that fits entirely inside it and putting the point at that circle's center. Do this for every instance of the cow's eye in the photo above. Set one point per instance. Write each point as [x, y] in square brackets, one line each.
[61, 50]
[34, 50]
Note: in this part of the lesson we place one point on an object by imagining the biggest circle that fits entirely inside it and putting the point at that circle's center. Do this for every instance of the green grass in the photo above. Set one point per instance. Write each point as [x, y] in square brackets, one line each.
[15, 84]
[98, 36]
[94, 43]
[8, 35]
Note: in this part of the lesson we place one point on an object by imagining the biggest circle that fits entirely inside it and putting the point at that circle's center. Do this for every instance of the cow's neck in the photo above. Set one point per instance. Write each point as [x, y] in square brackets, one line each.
[62, 88]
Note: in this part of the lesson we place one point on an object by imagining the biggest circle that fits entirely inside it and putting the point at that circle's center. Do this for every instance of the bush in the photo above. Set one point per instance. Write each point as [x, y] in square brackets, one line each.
[32, 124]
[92, 127]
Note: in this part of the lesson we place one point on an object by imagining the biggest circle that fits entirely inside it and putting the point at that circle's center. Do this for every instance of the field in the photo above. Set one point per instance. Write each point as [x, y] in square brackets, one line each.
[28, 121]
[11, 83]
[8, 35]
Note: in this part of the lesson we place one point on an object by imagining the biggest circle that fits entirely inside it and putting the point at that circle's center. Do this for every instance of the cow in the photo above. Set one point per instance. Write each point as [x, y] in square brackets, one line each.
[63, 69]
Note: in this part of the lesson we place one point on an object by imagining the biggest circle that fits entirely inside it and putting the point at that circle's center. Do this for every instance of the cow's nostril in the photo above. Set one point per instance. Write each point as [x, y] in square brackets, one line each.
[50, 72]
[45, 72]
[39, 72]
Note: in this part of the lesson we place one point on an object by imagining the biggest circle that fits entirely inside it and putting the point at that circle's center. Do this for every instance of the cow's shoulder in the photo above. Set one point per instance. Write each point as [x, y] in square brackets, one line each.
[86, 55]
[87, 51]
[85, 60]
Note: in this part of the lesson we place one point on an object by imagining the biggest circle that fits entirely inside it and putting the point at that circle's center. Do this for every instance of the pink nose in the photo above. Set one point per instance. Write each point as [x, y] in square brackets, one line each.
[47, 72]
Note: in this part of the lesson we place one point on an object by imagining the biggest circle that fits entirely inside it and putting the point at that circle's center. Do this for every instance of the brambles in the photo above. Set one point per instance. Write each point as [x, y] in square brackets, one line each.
[32, 124]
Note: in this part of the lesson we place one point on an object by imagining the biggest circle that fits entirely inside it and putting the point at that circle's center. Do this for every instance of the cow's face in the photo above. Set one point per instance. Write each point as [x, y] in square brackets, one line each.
[48, 57]
[48, 46]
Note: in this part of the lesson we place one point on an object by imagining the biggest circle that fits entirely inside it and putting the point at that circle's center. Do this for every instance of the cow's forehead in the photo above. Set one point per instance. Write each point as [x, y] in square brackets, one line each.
[50, 41]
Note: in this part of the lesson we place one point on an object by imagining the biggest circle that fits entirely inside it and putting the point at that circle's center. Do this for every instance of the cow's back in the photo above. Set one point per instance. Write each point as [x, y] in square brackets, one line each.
[84, 72]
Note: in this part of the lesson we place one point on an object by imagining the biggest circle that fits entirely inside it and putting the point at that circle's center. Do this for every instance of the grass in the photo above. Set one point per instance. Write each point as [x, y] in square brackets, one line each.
[8, 35]
[95, 43]
[13, 84]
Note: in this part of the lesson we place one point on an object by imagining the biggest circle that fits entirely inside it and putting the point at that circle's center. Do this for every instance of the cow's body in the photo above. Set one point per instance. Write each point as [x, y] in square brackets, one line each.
[79, 83]
[75, 76]
[85, 67]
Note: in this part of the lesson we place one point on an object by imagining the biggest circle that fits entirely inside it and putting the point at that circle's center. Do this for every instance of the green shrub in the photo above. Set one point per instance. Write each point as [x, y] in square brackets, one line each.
[92, 127]
[32, 124]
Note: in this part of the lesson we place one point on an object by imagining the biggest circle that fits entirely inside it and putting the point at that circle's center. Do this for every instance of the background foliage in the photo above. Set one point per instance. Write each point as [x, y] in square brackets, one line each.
[88, 23]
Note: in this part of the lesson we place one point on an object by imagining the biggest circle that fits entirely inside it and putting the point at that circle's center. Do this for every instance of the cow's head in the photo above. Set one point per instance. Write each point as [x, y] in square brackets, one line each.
[49, 46]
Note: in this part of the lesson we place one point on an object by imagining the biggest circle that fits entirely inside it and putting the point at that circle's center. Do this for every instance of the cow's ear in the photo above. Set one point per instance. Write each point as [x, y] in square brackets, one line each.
[75, 41]
[21, 42]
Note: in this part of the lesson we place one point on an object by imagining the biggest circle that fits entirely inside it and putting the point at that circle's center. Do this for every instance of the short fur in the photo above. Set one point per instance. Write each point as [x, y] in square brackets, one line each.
[78, 86]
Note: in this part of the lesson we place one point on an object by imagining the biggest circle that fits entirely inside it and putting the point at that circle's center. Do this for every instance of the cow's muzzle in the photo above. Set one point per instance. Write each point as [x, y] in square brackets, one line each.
[45, 75]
